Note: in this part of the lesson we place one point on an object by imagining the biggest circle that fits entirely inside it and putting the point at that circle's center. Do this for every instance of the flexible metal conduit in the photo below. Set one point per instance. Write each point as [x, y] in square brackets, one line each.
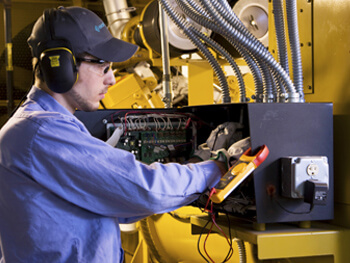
[292, 18]
[197, 14]
[280, 34]
[281, 43]
[219, 49]
[204, 19]
[259, 51]
[230, 17]
[281, 94]
[223, 11]
[187, 30]
[241, 251]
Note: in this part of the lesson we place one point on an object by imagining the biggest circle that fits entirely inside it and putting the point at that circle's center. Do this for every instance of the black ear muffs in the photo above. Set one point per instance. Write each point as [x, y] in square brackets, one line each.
[58, 67]
[57, 61]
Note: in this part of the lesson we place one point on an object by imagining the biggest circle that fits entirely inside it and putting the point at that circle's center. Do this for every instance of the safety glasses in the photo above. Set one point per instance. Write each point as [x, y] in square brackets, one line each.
[103, 68]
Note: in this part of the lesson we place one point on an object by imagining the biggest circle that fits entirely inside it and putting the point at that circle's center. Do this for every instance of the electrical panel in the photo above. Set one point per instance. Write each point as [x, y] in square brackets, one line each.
[300, 132]
[154, 137]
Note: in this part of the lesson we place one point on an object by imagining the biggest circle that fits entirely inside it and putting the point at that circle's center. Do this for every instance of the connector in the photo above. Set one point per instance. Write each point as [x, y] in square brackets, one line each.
[315, 193]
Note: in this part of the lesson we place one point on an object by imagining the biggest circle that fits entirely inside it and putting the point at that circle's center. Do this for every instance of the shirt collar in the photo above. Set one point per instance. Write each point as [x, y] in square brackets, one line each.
[46, 101]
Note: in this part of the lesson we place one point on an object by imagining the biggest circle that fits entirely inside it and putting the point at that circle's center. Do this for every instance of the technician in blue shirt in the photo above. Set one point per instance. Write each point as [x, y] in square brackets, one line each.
[62, 191]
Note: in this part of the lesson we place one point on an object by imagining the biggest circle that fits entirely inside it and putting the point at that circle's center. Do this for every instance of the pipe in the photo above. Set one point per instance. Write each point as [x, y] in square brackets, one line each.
[221, 50]
[241, 251]
[255, 48]
[9, 59]
[197, 14]
[167, 89]
[280, 34]
[207, 21]
[221, 10]
[292, 19]
[118, 14]
[257, 67]
[187, 30]
[219, 13]
[282, 52]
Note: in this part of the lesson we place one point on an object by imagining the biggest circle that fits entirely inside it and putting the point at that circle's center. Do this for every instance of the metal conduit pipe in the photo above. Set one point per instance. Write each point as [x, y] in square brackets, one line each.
[197, 14]
[241, 251]
[226, 12]
[281, 44]
[269, 93]
[220, 15]
[253, 66]
[219, 49]
[281, 97]
[280, 34]
[180, 22]
[269, 96]
[167, 89]
[204, 20]
[293, 31]
[257, 49]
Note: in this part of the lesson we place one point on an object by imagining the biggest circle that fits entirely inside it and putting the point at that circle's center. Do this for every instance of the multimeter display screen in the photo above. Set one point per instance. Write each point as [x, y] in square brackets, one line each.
[225, 181]
[231, 174]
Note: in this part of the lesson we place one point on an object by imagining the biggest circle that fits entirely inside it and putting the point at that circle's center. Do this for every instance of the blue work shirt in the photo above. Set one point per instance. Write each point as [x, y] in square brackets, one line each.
[63, 192]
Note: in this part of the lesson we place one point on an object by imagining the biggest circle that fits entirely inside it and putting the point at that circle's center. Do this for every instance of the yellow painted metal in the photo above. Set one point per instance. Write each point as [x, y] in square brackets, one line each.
[169, 239]
[280, 241]
[141, 254]
[325, 55]
[200, 83]
[305, 13]
[130, 91]
[234, 87]
[324, 34]
[331, 34]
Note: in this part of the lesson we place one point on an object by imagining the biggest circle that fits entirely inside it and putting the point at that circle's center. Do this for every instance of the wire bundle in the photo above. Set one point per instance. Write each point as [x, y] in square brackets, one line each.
[272, 81]
[143, 121]
[213, 222]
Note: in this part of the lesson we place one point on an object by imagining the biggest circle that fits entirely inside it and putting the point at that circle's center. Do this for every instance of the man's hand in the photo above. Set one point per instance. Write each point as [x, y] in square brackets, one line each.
[225, 159]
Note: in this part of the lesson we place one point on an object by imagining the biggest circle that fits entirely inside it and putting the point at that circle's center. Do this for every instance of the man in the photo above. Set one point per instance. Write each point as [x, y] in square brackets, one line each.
[62, 191]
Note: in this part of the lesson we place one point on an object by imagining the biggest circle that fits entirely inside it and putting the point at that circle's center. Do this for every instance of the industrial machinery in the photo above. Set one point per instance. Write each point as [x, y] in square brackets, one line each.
[280, 70]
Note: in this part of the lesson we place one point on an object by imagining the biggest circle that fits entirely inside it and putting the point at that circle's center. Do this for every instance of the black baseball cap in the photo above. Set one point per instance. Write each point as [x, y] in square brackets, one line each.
[83, 30]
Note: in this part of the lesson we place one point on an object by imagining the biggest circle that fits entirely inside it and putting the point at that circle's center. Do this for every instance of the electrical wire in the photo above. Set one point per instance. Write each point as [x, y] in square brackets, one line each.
[199, 239]
[212, 219]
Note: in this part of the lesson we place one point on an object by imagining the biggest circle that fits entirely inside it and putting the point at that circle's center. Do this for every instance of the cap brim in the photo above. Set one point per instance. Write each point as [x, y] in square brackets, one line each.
[114, 50]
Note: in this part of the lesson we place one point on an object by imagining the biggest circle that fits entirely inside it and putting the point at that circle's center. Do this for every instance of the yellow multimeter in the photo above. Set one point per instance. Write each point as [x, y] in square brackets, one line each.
[238, 172]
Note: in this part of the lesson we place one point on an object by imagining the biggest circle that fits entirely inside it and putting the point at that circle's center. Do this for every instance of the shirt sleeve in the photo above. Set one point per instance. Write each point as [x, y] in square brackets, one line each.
[93, 175]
